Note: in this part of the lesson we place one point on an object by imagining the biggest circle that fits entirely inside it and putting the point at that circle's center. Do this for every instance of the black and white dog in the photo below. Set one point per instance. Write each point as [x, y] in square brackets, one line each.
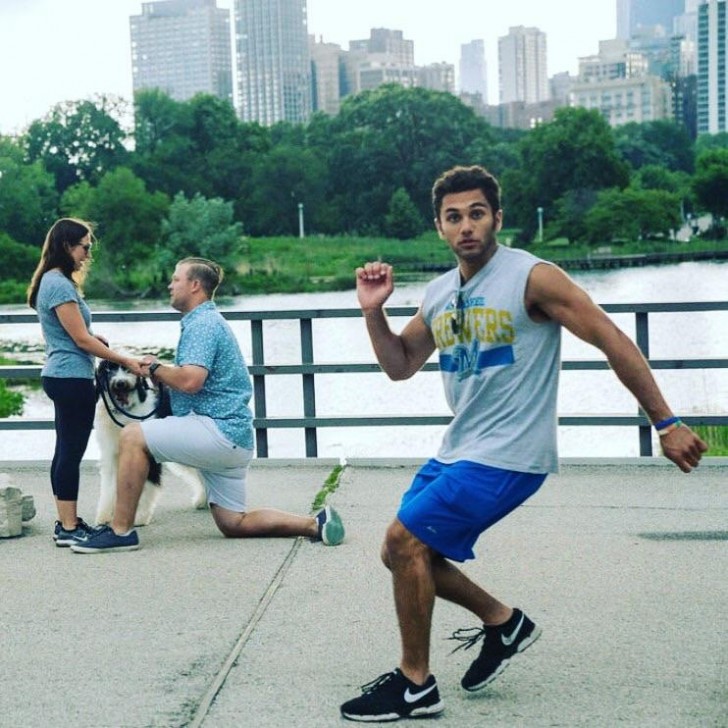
[125, 398]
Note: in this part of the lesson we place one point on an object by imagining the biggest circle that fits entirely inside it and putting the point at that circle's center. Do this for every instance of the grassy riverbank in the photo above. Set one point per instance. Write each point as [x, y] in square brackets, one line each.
[292, 265]
[312, 264]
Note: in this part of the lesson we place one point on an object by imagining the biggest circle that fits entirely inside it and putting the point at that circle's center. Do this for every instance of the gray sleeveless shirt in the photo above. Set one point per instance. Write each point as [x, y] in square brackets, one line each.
[500, 368]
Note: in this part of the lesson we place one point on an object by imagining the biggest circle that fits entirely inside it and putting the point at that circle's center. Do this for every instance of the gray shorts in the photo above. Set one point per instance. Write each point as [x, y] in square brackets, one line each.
[195, 440]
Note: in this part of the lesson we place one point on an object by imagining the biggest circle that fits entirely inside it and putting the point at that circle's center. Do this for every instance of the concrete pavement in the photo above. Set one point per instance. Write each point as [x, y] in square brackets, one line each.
[623, 564]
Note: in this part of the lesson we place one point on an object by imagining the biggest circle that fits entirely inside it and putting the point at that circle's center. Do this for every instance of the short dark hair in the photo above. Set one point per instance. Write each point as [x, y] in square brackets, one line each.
[207, 272]
[463, 179]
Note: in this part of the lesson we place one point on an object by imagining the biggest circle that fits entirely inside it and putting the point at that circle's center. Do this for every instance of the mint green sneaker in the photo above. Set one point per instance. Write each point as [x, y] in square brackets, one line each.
[330, 527]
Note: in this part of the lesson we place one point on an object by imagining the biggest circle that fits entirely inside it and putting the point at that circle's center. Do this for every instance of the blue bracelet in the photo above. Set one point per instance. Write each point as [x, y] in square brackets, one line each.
[666, 423]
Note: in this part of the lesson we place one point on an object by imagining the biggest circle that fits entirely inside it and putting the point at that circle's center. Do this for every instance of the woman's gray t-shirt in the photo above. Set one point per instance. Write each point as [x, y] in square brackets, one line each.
[64, 359]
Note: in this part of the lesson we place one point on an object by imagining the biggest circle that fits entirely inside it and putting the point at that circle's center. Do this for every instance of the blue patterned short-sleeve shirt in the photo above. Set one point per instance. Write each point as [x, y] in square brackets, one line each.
[208, 341]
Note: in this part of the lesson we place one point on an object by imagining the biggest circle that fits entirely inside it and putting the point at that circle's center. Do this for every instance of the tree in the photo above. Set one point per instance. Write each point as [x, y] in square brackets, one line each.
[575, 151]
[282, 179]
[28, 197]
[661, 142]
[19, 262]
[403, 220]
[195, 147]
[632, 214]
[78, 140]
[199, 227]
[128, 220]
[711, 141]
[392, 137]
[710, 182]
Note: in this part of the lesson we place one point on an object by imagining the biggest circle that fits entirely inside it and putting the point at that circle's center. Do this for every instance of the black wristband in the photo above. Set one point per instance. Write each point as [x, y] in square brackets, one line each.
[153, 368]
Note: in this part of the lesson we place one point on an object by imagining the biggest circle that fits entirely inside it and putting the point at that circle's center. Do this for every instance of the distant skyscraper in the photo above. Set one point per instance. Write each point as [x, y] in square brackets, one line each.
[712, 67]
[618, 84]
[182, 47]
[474, 69]
[635, 14]
[522, 66]
[273, 61]
[385, 57]
[437, 77]
[326, 69]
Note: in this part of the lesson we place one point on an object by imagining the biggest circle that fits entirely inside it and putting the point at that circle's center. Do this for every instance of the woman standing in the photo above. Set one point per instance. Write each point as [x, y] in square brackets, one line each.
[68, 373]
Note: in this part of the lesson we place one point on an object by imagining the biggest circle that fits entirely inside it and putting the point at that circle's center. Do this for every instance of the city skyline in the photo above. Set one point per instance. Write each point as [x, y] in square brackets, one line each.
[42, 75]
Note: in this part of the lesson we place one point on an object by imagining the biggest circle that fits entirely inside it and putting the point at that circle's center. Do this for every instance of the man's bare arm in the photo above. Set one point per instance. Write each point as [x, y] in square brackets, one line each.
[552, 294]
[399, 355]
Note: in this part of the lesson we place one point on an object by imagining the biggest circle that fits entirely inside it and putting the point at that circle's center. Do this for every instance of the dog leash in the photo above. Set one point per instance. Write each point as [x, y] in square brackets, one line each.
[102, 384]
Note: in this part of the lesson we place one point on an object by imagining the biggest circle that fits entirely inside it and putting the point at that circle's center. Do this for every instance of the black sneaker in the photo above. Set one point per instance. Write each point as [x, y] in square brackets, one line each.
[80, 534]
[392, 696]
[500, 643]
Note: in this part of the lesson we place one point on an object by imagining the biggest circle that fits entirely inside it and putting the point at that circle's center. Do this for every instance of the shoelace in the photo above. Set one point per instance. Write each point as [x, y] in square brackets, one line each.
[370, 687]
[84, 526]
[469, 636]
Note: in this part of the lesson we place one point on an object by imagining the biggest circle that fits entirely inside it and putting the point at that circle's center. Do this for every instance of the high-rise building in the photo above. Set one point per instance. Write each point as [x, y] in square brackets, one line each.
[618, 84]
[182, 47]
[273, 61]
[633, 15]
[713, 67]
[437, 77]
[326, 69]
[385, 57]
[474, 69]
[522, 69]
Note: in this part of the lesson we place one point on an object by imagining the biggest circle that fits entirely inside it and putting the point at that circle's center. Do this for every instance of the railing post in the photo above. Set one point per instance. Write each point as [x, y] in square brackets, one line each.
[309, 388]
[642, 333]
[261, 434]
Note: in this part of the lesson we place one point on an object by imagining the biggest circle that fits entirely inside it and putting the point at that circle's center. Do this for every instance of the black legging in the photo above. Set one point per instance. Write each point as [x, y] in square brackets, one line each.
[74, 401]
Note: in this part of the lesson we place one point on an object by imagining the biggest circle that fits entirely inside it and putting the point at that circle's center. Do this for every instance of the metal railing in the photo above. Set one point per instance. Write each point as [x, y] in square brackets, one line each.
[308, 369]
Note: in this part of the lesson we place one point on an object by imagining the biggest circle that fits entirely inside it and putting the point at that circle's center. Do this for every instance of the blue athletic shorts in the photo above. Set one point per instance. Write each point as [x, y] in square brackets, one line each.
[448, 506]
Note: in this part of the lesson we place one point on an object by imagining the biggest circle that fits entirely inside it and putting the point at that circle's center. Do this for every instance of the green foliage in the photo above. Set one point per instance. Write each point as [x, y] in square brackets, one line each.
[12, 291]
[128, 226]
[710, 182]
[330, 486]
[288, 264]
[28, 196]
[661, 143]
[285, 177]
[403, 220]
[18, 260]
[392, 137]
[78, 140]
[11, 403]
[711, 141]
[363, 172]
[198, 227]
[716, 436]
[575, 151]
[631, 214]
[195, 147]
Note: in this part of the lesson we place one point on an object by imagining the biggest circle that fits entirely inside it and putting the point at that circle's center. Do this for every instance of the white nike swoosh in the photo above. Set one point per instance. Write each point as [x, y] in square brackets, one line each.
[508, 641]
[410, 697]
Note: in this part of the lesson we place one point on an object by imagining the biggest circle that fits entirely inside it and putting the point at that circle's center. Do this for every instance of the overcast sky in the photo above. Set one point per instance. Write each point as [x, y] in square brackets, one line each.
[58, 50]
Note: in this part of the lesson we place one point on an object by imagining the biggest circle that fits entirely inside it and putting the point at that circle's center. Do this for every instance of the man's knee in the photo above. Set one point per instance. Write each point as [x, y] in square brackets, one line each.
[132, 437]
[401, 544]
[230, 523]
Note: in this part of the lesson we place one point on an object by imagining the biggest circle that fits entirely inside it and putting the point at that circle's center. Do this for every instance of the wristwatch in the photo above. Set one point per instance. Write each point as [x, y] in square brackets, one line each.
[153, 368]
